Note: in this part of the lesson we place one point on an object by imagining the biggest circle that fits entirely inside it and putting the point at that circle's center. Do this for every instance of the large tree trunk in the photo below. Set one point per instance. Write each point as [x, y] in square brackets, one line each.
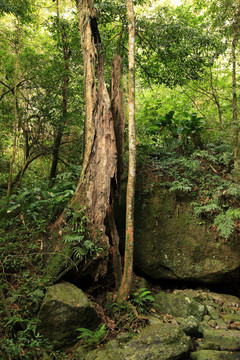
[119, 118]
[125, 288]
[94, 194]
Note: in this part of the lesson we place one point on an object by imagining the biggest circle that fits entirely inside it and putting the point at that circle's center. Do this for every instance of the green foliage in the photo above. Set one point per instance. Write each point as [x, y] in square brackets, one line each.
[77, 236]
[142, 299]
[174, 48]
[28, 343]
[20, 8]
[208, 208]
[223, 219]
[233, 190]
[225, 222]
[25, 216]
[38, 206]
[92, 338]
[183, 185]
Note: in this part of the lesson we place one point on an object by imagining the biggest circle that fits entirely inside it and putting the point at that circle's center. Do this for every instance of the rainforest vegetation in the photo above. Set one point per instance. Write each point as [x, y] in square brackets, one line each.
[94, 94]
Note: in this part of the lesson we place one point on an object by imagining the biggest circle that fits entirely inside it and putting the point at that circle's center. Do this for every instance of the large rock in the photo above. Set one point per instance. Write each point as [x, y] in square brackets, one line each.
[64, 309]
[156, 342]
[225, 339]
[171, 243]
[179, 305]
[214, 355]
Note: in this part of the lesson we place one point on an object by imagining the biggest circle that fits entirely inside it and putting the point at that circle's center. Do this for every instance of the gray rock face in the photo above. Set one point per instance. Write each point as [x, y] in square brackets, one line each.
[156, 342]
[189, 325]
[171, 243]
[214, 355]
[64, 309]
[179, 305]
[225, 339]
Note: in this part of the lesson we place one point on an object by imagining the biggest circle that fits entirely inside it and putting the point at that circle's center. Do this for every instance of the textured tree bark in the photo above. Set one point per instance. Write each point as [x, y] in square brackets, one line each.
[119, 119]
[93, 194]
[125, 288]
[234, 98]
[118, 112]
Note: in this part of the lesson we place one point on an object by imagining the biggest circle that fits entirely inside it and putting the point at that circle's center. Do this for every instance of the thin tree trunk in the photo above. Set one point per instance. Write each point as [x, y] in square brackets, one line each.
[60, 129]
[234, 99]
[125, 288]
[59, 134]
[15, 113]
[215, 97]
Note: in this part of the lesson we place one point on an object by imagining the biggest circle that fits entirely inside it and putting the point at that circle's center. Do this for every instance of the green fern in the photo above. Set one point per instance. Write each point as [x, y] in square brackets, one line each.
[233, 190]
[92, 338]
[73, 238]
[208, 208]
[205, 155]
[79, 252]
[142, 299]
[225, 222]
[193, 166]
[184, 186]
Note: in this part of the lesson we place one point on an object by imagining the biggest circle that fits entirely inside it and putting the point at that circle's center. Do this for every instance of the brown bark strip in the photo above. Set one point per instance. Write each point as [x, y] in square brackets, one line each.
[116, 257]
[119, 125]
[234, 95]
[118, 114]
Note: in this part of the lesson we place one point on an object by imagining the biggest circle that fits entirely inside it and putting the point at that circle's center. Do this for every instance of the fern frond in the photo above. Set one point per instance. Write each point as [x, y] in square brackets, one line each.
[225, 222]
[180, 185]
[200, 209]
[73, 238]
[234, 190]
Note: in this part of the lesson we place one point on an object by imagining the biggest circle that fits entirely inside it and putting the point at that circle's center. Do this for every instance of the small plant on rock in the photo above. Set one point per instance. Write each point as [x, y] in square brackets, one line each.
[92, 338]
[142, 299]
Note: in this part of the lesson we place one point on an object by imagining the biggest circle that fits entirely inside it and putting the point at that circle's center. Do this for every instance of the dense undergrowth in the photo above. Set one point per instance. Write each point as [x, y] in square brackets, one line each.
[204, 174]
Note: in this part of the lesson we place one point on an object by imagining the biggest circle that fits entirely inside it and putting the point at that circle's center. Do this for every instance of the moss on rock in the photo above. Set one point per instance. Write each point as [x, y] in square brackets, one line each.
[225, 339]
[179, 305]
[214, 355]
[156, 342]
[64, 309]
[171, 243]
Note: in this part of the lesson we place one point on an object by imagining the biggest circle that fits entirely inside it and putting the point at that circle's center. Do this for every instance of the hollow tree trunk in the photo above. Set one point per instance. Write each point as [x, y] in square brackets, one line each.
[119, 125]
[93, 194]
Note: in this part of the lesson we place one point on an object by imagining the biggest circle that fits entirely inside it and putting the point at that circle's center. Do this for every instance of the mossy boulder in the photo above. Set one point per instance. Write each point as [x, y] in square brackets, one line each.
[179, 305]
[225, 339]
[214, 355]
[172, 243]
[64, 309]
[156, 342]
[189, 325]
